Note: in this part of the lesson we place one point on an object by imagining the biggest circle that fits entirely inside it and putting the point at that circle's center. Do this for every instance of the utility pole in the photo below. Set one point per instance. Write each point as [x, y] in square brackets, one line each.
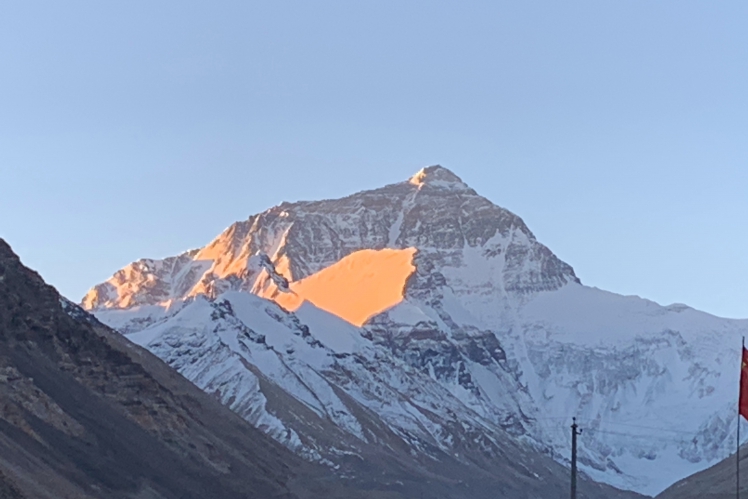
[574, 432]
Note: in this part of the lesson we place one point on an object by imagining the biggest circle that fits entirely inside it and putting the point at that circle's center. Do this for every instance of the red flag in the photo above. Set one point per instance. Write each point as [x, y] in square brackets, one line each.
[743, 402]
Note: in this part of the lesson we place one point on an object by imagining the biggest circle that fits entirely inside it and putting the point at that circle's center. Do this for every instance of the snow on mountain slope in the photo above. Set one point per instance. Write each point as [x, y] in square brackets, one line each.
[349, 410]
[641, 365]
[338, 334]
[487, 313]
[653, 387]
[357, 287]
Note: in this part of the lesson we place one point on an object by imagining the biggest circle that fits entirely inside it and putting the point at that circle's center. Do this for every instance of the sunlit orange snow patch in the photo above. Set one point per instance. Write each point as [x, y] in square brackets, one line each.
[357, 287]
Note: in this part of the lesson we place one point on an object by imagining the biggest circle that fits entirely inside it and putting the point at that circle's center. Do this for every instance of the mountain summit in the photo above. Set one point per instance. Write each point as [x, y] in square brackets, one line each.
[437, 176]
[425, 311]
[434, 212]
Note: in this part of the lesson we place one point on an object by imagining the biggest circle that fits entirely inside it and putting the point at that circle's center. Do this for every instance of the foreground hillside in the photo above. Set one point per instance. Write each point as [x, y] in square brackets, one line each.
[717, 482]
[438, 312]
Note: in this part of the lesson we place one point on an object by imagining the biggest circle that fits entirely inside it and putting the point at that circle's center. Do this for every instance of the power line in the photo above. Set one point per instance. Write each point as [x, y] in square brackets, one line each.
[616, 423]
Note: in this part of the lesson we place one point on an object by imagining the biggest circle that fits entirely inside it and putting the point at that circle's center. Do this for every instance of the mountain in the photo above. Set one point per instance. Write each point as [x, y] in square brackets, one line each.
[85, 413]
[434, 212]
[428, 306]
[717, 482]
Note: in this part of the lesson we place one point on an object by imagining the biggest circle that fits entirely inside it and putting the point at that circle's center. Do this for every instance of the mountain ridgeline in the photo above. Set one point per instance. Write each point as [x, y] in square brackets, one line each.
[434, 212]
[421, 326]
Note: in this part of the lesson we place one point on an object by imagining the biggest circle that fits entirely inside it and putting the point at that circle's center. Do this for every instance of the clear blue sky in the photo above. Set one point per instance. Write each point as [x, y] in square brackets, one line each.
[617, 130]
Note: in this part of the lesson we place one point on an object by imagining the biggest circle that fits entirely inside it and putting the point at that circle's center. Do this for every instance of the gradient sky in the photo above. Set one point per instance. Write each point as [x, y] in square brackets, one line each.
[617, 130]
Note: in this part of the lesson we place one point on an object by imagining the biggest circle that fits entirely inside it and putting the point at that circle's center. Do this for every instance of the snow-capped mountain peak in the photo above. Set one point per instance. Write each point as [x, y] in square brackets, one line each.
[446, 219]
[457, 308]
[437, 177]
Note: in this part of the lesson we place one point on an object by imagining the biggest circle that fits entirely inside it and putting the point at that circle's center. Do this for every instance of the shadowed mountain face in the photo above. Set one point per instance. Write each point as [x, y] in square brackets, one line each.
[84, 413]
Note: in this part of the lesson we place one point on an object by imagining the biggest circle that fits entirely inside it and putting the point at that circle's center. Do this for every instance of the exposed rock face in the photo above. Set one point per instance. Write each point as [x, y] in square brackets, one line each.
[493, 331]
